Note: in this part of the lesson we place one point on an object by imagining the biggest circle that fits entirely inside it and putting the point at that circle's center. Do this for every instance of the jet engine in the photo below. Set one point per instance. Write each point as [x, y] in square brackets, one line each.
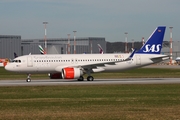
[71, 73]
[55, 75]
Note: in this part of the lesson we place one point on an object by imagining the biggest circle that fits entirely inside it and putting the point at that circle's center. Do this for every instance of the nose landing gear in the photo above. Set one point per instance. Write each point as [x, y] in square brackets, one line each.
[28, 78]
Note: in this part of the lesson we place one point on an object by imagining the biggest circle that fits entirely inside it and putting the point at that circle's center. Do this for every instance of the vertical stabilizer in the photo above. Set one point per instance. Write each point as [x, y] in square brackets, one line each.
[154, 43]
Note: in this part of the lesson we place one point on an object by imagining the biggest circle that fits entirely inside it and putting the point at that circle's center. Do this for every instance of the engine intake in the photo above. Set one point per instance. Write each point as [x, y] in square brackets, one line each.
[71, 73]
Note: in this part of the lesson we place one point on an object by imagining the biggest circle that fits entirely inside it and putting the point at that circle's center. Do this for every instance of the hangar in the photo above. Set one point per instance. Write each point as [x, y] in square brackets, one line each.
[60, 45]
[10, 44]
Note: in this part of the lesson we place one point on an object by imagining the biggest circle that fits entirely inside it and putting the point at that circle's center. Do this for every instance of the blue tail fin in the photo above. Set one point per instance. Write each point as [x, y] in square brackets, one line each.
[15, 55]
[154, 43]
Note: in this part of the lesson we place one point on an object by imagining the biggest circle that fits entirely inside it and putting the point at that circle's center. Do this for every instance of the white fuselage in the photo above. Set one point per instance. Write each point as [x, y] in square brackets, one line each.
[52, 63]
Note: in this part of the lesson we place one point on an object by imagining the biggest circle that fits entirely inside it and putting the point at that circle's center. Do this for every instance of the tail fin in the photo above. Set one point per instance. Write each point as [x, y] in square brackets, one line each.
[41, 50]
[154, 43]
[15, 55]
[100, 49]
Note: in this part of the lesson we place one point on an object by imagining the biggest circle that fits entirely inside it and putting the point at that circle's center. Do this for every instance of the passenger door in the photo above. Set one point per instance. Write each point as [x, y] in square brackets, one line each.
[138, 60]
[29, 61]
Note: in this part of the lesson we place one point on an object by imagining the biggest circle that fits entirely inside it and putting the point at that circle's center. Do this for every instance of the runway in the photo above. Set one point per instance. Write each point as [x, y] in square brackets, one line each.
[49, 82]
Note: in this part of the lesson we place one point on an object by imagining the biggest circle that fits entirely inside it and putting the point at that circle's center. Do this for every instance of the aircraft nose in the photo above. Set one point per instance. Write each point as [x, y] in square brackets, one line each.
[8, 68]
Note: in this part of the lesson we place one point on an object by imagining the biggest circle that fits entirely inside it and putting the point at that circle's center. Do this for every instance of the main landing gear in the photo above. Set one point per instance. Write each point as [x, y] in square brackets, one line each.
[89, 78]
[28, 78]
[81, 78]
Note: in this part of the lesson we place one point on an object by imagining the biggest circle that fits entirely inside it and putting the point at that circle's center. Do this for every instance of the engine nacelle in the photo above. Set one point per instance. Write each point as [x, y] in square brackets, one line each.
[55, 75]
[71, 73]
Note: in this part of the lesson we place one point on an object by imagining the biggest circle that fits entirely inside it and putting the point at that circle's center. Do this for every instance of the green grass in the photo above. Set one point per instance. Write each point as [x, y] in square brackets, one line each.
[135, 73]
[91, 102]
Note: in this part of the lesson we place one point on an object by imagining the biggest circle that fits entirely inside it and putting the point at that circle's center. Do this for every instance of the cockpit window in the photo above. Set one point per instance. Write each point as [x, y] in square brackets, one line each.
[17, 61]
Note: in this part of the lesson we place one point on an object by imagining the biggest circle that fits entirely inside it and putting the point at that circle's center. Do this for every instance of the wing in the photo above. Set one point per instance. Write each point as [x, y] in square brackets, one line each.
[97, 66]
[91, 66]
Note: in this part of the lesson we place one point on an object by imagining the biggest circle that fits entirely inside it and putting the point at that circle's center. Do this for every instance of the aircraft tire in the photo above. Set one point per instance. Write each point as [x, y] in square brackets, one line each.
[28, 80]
[90, 78]
[81, 78]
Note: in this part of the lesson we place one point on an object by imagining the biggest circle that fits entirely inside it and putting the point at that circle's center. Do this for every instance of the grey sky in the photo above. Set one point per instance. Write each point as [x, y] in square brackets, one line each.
[90, 18]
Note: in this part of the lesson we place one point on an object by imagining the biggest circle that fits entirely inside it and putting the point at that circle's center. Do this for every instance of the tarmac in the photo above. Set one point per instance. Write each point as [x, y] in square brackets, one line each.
[47, 82]
[51, 82]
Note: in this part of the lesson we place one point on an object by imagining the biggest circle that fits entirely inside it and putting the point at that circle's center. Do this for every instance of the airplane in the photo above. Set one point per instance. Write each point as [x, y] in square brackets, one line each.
[177, 59]
[4, 62]
[74, 66]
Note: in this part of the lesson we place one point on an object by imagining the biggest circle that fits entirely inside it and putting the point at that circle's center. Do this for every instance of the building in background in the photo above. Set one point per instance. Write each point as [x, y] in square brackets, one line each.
[10, 44]
[175, 49]
[60, 45]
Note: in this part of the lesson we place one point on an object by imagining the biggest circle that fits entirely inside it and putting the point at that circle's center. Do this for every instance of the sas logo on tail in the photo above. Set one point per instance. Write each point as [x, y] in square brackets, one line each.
[153, 48]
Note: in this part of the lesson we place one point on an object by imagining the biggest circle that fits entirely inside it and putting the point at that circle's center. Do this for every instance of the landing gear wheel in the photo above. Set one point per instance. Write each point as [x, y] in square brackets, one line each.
[81, 78]
[28, 80]
[90, 78]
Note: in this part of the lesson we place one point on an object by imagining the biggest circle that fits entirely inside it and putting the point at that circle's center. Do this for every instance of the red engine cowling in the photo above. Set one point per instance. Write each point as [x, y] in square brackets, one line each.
[55, 75]
[71, 73]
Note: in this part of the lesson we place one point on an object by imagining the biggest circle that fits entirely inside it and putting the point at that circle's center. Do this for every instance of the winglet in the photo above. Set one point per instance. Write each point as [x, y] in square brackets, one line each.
[154, 43]
[131, 55]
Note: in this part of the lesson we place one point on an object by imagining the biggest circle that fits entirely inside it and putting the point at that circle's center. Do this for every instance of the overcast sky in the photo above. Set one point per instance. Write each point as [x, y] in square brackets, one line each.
[90, 18]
